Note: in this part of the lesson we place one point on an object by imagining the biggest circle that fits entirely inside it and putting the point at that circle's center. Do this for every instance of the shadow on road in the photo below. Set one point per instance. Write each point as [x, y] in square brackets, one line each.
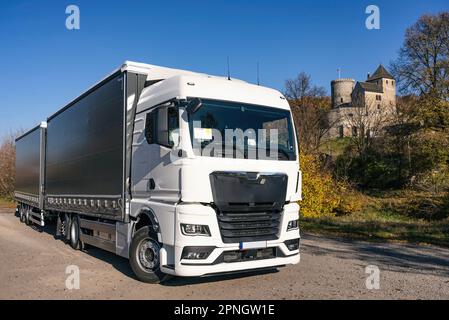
[178, 281]
[119, 263]
[406, 258]
[122, 265]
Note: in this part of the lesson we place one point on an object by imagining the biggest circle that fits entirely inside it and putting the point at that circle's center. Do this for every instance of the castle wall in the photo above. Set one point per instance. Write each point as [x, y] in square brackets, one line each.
[361, 106]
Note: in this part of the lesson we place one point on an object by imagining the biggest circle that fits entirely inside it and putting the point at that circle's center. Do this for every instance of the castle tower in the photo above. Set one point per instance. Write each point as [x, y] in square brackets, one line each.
[385, 80]
[341, 90]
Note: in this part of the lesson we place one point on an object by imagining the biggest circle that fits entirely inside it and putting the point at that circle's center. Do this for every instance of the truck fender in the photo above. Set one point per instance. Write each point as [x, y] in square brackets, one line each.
[146, 217]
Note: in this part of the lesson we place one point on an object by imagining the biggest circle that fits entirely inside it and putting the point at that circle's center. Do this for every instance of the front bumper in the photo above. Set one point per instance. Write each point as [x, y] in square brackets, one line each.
[200, 214]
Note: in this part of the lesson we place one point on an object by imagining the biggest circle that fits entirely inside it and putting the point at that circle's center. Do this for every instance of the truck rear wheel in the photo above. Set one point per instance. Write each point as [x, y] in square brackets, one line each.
[28, 216]
[22, 213]
[75, 231]
[144, 257]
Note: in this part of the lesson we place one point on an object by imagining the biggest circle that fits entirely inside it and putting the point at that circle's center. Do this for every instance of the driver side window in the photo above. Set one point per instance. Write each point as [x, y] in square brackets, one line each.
[160, 126]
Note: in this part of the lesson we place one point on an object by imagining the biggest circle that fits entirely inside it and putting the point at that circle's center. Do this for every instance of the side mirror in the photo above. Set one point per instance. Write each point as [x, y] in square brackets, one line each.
[194, 105]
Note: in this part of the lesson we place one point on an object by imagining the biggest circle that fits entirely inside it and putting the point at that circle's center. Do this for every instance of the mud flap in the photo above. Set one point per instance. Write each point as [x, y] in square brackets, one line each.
[59, 224]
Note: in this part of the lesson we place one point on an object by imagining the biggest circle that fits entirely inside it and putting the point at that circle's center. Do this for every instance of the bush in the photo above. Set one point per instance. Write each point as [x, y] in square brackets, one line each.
[430, 151]
[435, 181]
[7, 165]
[388, 166]
[419, 205]
[322, 195]
[373, 170]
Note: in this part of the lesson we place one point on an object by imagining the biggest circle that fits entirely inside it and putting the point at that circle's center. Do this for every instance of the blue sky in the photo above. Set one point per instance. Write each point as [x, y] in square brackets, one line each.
[44, 65]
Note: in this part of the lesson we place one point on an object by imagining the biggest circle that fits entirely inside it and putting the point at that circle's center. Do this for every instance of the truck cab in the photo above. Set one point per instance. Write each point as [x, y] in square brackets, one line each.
[215, 174]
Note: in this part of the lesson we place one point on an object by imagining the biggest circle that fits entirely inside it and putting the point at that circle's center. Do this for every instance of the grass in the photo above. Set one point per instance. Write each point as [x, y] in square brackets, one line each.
[335, 146]
[386, 216]
[6, 202]
[385, 219]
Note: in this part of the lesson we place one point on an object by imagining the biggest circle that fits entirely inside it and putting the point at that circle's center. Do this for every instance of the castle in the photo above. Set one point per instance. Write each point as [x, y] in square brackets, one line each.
[362, 107]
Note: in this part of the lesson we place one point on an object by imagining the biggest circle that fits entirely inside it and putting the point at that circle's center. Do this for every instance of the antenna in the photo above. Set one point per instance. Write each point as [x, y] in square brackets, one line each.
[339, 73]
[258, 77]
[229, 70]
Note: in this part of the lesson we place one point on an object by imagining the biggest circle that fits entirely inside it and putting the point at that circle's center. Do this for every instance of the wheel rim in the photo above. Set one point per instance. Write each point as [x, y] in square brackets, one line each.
[74, 232]
[148, 254]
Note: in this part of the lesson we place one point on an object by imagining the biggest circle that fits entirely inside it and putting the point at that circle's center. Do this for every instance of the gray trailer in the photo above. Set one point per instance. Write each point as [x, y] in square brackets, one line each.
[30, 174]
[73, 167]
[84, 155]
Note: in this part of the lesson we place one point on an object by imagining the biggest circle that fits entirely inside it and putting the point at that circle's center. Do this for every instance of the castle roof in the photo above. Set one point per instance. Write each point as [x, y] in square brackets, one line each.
[380, 72]
[369, 86]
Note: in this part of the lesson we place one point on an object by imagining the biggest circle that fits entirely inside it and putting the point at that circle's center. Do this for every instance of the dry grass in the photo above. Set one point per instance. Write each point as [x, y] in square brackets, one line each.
[7, 203]
[389, 217]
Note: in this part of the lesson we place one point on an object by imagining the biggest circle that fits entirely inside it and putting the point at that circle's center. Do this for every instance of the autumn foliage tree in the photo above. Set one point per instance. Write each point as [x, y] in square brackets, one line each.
[7, 166]
[422, 70]
[310, 107]
[422, 67]
[322, 195]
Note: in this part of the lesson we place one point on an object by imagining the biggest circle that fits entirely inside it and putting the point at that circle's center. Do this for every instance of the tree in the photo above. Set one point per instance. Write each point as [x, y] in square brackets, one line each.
[422, 71]
[301, 87]
[422, 67]
[310, 107]
[7, 166]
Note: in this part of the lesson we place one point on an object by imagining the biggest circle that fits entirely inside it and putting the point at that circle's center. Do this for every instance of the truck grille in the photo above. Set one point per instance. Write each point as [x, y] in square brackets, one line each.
[248, 226]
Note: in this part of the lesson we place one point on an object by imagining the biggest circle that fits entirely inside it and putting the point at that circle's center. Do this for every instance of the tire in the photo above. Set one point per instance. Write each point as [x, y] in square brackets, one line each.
[144, 257]
[74, 231]
[22, 214]
[27, 217]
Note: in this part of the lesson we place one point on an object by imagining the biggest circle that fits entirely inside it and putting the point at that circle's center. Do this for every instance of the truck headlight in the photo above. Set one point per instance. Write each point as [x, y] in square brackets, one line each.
[195, 230]
[292, 225]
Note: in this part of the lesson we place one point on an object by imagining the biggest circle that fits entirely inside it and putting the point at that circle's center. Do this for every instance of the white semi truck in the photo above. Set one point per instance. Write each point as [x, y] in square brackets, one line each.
[182, 173]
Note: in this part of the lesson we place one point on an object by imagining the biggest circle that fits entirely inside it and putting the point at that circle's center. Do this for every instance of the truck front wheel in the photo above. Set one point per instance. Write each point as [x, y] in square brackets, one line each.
[144, 257]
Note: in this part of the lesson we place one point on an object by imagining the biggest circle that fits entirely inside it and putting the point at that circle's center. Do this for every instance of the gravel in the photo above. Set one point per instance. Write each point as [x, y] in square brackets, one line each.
[33, 266]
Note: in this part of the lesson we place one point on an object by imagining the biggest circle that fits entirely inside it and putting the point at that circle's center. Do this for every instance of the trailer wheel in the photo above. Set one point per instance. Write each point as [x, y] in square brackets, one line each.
[27, 216]
[22, 214]
[75, 231]
[144, 257]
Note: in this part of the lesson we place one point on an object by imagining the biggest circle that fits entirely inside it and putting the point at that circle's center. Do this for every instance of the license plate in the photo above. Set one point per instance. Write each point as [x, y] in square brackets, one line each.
[252, 245]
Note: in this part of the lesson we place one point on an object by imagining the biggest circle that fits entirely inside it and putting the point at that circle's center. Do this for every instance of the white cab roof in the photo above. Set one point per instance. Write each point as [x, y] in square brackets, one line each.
[158, 73]
[216, 88]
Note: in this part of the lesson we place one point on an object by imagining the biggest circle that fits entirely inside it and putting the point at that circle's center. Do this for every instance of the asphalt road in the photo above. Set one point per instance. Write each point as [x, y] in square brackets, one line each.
[33, 266]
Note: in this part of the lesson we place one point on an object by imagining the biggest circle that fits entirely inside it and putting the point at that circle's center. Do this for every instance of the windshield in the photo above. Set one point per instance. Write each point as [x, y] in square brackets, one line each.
[236, 130]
